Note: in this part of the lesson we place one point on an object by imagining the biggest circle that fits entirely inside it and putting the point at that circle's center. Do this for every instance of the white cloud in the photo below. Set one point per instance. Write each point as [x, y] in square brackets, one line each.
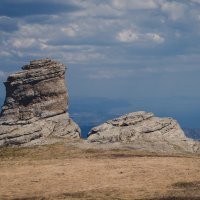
[134, 4]
[23, 42]
[195, 1]
[4, 53]
[155, 37]
[3, 75]
[2, 18]
[71, 30]
[92, 8]
[39, 31]
[29, 36]
[127, 36]
[174, 9]
[100, 24]
[81, 57]
[132, 36]
[110, 73]
[113, 73]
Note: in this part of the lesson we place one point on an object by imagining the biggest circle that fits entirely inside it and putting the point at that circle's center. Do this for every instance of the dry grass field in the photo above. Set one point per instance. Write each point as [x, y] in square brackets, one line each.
[61, 171]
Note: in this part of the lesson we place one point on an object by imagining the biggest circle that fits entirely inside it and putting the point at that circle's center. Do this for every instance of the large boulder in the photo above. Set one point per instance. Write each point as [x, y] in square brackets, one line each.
[144, 131]
[36, 105]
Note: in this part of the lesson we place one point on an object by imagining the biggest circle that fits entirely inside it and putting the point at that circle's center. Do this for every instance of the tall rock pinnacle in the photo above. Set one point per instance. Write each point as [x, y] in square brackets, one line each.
[36, 104]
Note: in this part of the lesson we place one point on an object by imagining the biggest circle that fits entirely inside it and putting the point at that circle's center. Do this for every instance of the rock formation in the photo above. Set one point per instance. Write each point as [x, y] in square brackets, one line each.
[146, 132]
[36, 103]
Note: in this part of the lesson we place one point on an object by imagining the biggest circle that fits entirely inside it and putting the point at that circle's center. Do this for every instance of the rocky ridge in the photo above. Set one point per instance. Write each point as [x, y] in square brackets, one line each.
[35, 111]
[35, 106]
[142, 130]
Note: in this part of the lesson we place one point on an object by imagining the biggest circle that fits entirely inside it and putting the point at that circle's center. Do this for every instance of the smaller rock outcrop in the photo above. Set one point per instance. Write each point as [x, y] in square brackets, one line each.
[35, 106]
[144, 131]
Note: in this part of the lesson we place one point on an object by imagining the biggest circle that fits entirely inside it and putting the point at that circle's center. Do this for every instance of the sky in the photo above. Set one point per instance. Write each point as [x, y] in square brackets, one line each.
[144, 53]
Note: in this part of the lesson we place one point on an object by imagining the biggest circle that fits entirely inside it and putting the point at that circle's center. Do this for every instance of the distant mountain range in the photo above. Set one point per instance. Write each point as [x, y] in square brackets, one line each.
[1, 102]
[192, 133]
[90, 112]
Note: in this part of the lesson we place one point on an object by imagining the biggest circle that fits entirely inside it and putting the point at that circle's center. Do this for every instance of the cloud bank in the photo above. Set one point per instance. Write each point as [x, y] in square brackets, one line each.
[128, 48]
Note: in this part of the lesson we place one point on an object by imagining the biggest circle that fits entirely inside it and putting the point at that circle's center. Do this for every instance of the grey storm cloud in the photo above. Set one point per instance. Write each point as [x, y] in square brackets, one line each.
[8, 24]
[22, 8]
[130, 48]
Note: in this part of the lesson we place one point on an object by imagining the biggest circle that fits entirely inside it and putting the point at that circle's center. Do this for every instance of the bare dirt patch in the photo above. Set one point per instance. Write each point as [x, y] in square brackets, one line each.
[66, 172]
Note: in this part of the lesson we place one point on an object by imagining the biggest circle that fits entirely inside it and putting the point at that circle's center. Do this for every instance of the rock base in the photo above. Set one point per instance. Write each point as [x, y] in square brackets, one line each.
[60, 126]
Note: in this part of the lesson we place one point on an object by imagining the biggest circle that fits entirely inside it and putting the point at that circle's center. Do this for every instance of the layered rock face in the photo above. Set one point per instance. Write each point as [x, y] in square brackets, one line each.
[36, 105]
[144, 131]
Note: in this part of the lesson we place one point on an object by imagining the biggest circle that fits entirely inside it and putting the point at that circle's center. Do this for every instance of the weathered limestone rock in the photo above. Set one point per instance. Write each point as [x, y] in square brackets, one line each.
[36, 105]
[144, 131]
